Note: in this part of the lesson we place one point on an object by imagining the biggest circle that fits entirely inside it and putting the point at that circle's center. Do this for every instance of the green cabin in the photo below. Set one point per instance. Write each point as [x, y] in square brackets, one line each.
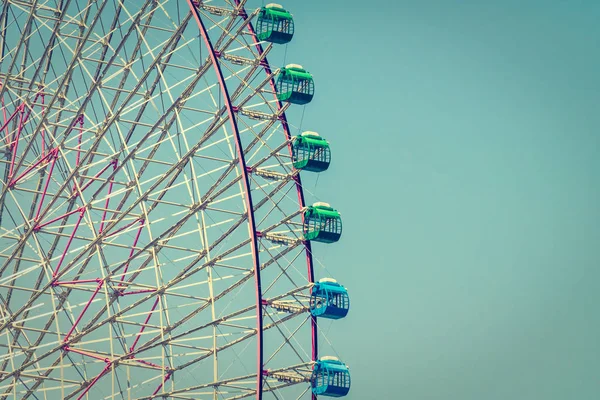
[274, 24]
[311, 152]
[295, 85]
[322, 223]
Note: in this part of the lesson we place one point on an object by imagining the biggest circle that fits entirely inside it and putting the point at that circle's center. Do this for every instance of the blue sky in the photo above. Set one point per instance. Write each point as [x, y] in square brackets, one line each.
[466, 167]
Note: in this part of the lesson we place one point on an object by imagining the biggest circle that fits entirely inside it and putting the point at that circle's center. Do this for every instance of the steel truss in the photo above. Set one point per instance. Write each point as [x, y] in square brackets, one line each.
[150, 236]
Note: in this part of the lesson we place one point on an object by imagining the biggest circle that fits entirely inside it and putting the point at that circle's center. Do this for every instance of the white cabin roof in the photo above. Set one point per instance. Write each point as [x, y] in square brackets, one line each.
[331, 280]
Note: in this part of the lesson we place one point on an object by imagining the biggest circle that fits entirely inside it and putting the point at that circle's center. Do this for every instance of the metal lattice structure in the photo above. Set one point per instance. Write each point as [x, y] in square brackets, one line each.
[150, 216]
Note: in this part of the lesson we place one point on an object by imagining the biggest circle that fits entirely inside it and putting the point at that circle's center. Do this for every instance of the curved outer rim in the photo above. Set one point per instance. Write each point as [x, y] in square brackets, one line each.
[247, 195]
[301, 201]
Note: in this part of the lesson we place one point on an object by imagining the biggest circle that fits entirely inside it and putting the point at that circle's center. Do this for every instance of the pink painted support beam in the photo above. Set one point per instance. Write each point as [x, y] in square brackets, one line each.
[38, 227]
[137, 236]
[76, 282]
[86, 353]
[48, 178]
[53, 152]
[31, 167]
[100, 375]
[95, 356]
[6, 122]
[110, 187]
[62, 258]
[145, 322]
[167, 376]
[100, 283]
[14, 146]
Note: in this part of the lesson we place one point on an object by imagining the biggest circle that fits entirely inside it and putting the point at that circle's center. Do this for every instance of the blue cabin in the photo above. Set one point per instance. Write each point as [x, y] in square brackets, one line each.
[330, 377]
[329, 299]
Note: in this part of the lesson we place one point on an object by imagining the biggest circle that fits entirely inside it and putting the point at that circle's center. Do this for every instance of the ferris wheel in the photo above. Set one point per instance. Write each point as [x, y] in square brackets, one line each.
[154, 236]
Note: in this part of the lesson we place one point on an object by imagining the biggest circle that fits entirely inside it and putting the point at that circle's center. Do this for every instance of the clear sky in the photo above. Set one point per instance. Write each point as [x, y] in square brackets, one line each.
[466, 166]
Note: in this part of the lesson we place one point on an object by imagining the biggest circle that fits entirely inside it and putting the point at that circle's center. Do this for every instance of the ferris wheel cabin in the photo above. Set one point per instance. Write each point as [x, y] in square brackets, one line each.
[274, 24]
[329, 299]
[311, 152]
[322, 223]
[330, 377]
[295, 85]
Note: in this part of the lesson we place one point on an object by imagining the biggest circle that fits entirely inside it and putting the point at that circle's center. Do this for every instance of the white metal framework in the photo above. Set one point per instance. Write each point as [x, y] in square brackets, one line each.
[131, 264]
